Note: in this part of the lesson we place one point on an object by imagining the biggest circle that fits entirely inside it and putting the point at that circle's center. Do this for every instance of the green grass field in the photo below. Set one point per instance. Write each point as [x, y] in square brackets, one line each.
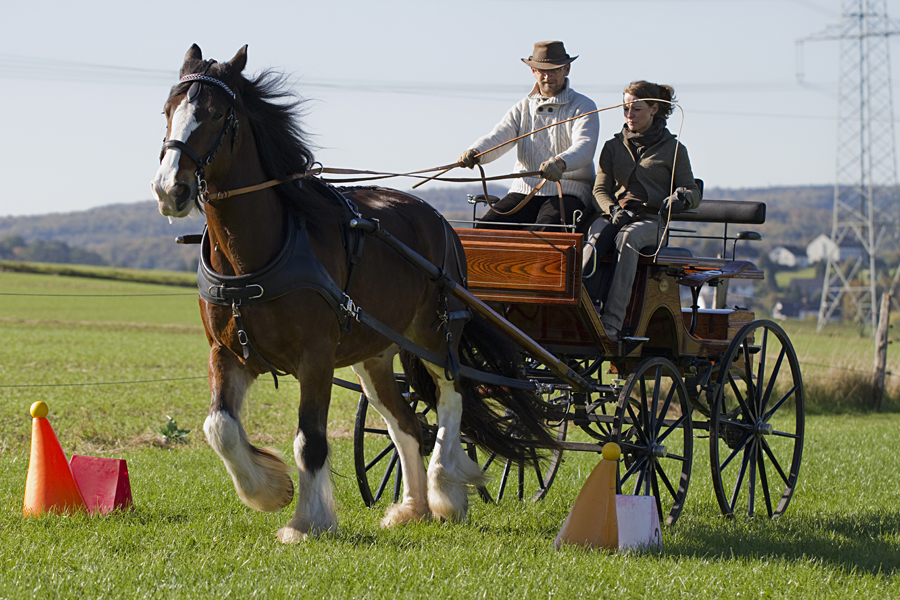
[113, 366]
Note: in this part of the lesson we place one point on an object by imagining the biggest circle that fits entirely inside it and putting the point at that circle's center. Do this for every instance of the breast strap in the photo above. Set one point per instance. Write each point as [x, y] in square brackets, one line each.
[294, 267]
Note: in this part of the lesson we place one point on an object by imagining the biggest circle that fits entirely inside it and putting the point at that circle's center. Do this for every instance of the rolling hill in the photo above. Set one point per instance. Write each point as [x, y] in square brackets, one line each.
[135, 235]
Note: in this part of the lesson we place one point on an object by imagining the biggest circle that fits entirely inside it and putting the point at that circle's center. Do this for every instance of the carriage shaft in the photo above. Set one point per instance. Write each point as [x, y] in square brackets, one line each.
[558, 367]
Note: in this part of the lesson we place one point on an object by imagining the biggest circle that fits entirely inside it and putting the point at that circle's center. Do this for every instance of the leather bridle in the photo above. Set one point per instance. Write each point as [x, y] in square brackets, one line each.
[231, 121]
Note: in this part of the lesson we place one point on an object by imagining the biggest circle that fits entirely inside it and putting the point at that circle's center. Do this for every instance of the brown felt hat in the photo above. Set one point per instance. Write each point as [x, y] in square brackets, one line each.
[548, 55]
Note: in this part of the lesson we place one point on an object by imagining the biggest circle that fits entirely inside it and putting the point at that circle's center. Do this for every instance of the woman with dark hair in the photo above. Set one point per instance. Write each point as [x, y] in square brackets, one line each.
[644, 174]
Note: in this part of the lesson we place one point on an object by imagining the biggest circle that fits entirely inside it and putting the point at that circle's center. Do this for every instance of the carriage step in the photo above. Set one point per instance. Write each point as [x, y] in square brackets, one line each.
[636, 340]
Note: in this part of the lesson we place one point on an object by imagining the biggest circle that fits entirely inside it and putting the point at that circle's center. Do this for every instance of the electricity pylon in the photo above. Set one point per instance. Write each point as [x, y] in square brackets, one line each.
[865, 220]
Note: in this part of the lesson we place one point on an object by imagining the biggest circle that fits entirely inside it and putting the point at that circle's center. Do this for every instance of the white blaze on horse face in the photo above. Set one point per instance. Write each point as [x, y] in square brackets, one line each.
[184, 122]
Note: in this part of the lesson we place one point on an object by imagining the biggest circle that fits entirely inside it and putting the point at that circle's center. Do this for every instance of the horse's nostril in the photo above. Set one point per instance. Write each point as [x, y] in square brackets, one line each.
[181, 192]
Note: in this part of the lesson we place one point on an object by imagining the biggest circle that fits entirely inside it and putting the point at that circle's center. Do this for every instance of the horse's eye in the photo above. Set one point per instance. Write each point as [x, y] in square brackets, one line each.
[218, 116]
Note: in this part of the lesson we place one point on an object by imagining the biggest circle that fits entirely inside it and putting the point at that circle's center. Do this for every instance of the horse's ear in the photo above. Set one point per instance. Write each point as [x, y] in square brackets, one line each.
[193, 54]
[239, 61]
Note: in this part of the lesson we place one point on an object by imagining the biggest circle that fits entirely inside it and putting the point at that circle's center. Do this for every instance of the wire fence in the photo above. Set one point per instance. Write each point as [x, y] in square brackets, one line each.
[165, 380]
[204, 377]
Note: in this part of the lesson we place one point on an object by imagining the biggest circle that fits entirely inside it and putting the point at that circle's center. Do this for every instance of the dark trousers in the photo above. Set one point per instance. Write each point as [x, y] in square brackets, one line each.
[540, 210]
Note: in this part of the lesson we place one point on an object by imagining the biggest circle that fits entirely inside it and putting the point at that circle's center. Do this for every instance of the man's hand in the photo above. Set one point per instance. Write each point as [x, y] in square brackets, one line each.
[553, 169]
[468, 158]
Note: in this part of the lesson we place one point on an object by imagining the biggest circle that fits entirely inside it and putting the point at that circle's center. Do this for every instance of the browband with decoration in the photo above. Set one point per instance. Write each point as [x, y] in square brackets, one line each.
[208, 79]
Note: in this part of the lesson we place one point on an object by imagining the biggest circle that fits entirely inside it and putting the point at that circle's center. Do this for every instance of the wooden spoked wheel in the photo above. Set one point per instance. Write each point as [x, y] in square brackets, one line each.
[757, 422]
[653, 427]
[377, 461]
[376, 458]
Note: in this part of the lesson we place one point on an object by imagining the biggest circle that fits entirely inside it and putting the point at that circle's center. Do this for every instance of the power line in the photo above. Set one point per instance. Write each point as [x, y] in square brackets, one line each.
[14, 66]
[96, 295]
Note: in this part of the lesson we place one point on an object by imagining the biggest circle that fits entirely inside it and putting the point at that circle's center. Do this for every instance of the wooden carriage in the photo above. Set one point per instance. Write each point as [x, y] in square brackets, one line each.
[679, 372]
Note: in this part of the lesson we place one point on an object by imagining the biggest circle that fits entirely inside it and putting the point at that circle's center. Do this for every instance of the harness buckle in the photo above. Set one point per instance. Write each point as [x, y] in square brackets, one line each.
[261, 291]
[202, 191]
[350, 307]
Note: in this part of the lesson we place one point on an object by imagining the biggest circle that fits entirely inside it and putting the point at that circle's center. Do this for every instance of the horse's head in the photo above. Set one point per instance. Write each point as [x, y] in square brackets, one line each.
[201, 133]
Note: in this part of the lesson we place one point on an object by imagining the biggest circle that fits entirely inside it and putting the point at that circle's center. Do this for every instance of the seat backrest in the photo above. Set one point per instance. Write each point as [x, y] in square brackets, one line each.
[726, 211]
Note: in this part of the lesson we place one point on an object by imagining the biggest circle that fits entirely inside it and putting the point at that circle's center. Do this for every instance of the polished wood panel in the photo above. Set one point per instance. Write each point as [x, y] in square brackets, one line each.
[523, 266]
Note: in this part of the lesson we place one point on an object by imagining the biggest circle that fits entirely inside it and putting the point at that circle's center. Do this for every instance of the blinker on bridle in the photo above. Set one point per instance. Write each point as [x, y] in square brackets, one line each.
[192, 95]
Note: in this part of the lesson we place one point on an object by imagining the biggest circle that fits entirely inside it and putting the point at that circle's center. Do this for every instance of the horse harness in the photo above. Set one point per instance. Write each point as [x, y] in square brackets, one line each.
[296, 267]
[231, 123]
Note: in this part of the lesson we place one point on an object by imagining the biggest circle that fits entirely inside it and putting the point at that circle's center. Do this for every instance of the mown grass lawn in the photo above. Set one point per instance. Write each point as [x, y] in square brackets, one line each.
[113, 370]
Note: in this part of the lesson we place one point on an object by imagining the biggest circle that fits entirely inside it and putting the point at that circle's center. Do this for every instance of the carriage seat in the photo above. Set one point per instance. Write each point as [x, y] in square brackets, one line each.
[727, 212]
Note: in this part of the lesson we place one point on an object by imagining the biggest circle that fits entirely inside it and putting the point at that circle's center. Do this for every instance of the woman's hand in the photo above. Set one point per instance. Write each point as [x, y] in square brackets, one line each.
[674, 204]
[619, 217]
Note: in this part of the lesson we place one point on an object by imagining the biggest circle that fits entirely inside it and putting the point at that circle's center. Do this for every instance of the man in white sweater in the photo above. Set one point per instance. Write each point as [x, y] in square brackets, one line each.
[563, 153]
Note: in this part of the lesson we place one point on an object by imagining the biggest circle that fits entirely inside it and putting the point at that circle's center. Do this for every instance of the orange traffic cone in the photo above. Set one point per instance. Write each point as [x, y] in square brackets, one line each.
[50, 485]
[593, 522]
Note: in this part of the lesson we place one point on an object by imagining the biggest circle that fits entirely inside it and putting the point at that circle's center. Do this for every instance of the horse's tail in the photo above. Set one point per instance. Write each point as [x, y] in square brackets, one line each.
[508, 421]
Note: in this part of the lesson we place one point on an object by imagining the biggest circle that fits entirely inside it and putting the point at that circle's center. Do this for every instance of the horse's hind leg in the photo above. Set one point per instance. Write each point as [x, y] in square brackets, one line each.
[376, 376]
[451, 474]
[261, 478]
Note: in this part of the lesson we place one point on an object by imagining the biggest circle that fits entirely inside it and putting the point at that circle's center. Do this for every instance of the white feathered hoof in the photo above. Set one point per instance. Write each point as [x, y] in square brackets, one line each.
[274, 489]
[289, 535]
[447, 497]
[298, 529]
[403, 513]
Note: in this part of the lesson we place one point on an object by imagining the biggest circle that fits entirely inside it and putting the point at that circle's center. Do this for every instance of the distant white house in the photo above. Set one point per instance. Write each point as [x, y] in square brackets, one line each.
[789, 256]
[820, 248]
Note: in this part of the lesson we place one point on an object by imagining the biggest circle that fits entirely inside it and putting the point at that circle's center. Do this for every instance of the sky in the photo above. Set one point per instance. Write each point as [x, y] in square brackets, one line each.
[403, 85]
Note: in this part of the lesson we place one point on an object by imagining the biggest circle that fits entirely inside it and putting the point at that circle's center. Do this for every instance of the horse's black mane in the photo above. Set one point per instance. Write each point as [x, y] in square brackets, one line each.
[274, 112]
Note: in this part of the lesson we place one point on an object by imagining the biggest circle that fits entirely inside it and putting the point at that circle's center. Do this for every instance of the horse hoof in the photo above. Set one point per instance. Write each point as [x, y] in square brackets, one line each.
[289, 535]
[271, 498]
[400, 514]
[273, 489]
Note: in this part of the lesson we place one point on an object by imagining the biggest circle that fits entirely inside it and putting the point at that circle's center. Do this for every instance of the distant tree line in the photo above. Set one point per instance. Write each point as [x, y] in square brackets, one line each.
[135, 235]
[16, 248]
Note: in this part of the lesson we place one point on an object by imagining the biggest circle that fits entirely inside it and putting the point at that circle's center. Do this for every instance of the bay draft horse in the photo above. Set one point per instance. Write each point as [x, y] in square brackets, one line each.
[227, 132]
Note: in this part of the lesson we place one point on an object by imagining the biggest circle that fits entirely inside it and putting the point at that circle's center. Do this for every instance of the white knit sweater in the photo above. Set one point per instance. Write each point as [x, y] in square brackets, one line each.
[575, 142]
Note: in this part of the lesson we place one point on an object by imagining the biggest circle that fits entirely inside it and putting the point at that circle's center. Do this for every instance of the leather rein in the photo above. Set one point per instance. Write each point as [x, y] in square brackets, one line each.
[203, 195]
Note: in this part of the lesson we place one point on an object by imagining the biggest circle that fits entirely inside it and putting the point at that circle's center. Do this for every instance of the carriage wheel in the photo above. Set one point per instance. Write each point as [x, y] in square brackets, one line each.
[757, 421]
[531, 480]
[375, 456]
[653, 427]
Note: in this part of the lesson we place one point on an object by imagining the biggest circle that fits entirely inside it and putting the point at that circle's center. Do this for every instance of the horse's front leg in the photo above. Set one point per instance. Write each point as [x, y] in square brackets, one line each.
[376, 376]
[315, 499]
[261, 478]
